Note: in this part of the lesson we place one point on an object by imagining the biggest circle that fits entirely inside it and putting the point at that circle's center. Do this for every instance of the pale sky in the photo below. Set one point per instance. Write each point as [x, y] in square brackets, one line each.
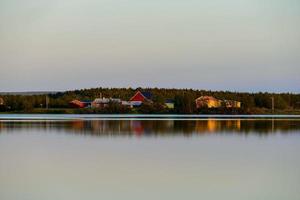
[237, 45]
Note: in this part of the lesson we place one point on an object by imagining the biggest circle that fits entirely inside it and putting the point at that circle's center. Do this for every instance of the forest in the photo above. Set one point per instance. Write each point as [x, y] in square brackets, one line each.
[184, 102]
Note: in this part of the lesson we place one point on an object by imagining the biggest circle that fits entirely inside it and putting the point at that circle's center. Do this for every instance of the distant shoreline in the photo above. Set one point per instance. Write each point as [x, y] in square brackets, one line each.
[151, 101]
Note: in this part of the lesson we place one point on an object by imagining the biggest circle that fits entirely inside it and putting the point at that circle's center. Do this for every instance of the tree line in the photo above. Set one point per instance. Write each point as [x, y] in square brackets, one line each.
[184, 100]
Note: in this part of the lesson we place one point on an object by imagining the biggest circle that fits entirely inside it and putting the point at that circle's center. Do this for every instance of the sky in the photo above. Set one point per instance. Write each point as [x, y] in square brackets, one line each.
[236, 45]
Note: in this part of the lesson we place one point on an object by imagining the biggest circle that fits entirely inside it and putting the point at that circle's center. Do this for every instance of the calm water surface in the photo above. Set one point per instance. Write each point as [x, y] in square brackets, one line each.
[131, 159]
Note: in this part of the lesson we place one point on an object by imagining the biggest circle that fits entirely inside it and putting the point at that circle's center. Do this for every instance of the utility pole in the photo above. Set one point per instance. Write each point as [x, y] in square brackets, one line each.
[47, 102]
[272, 104]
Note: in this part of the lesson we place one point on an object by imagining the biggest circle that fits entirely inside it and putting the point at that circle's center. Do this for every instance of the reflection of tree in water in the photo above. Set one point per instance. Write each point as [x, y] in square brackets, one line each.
[157, 127]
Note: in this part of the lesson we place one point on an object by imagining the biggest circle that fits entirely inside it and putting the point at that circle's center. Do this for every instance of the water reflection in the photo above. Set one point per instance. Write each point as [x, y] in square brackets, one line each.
[158, 127]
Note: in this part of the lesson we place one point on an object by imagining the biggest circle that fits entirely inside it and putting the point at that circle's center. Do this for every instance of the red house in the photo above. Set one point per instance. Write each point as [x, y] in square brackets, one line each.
[141, 96]
[79, 104]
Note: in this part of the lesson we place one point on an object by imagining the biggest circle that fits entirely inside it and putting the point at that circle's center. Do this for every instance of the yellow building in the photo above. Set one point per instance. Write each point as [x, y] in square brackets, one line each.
[169, 103]
[208, 101]
[232, 104]
[212, 102]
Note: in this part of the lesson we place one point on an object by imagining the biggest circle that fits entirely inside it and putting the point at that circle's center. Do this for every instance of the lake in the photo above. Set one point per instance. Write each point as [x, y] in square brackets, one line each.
[77, 157]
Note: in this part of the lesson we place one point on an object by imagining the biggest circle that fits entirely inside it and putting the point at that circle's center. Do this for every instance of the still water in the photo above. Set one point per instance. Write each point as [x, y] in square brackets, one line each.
[133, 159]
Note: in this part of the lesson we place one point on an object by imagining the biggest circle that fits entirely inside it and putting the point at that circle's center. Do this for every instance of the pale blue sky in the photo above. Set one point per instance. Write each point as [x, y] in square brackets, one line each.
[238, 45]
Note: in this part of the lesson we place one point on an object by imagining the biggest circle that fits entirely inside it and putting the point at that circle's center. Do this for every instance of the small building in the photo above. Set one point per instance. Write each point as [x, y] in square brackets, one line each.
[126, 103]
[169, 103]
[103, 102]
[1, 101]
[80, 104]
[232, 104]
[208, 101]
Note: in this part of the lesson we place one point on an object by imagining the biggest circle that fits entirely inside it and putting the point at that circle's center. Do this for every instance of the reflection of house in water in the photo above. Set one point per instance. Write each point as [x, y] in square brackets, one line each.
[148, 127]
[79, 125]
[137, 127]
[127, 127]
[156, 127]
[213, 126]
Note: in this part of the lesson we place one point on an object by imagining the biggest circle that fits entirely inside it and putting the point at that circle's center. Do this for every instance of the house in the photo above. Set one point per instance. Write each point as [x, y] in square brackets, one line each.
[1, 102]
[103, 102]
[80, 104]
[212, 102]
[169, 103]
[232, 104]
[208, 101]
[139, 97]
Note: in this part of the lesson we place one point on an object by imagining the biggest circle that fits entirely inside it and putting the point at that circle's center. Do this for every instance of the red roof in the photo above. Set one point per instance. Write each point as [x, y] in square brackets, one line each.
[77, 104]
[139, 96]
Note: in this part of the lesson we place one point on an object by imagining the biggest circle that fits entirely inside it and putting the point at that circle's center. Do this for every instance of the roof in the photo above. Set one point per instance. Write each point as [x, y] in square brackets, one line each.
[231, 101]
[101, 100]
[169, 101]
[75, 101]
[86, 101]
[148, 95]
[207, 98]
[106, 100]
